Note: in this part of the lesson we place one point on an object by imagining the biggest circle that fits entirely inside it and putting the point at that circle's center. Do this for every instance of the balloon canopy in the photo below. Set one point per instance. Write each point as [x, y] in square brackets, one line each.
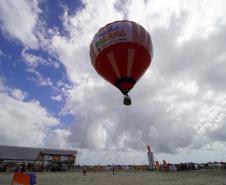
[121, 52]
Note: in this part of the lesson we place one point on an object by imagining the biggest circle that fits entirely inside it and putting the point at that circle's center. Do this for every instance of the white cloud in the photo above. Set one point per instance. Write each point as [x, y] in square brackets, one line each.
[73, 49]
[57, 98]
[178, 105]
[58, 138]
[39, 78]
[199, 18]
[203, 19]
[24, 123]
[18, 94]
[32, 60]
[56, 65]
[2, 53]
[105, 157]
[18, 19]
[172, 109]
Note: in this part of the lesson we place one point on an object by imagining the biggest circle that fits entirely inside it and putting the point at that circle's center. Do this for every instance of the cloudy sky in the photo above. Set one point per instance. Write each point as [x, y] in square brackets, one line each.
[50, 95]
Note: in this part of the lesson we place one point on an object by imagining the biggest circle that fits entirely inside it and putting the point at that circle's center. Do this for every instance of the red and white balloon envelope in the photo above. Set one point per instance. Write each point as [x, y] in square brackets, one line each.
[121, 52]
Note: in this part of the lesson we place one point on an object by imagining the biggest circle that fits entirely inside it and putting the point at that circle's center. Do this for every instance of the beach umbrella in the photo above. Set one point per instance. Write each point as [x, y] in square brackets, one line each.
[121, 52]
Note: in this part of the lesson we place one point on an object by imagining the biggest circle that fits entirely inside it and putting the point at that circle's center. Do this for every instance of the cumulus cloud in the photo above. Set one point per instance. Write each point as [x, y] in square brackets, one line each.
[24, 123]
[39, 78]
[58, 138]
[32, 60]
[18, 94]
[176, 103]
[179, 104]
[25, 13]
[73, 49]
[57, 98]
[200, 19]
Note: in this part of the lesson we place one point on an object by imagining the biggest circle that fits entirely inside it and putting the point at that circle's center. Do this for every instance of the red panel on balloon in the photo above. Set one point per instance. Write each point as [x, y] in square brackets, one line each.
[139, 59]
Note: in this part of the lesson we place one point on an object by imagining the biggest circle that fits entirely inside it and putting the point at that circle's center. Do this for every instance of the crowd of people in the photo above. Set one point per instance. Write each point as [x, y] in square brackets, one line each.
[190, 166]
[46, 167]
[33, 167]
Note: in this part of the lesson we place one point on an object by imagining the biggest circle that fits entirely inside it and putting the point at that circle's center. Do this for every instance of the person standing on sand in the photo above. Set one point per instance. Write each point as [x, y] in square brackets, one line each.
[84, 171]
[113, 169]
[23, 166]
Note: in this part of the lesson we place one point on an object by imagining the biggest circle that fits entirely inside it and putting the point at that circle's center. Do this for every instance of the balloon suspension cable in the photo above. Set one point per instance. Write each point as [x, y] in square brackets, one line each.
[127, 100]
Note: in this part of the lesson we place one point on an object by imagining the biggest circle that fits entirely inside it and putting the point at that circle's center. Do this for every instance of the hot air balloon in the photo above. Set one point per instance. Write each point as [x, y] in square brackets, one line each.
[121, 52]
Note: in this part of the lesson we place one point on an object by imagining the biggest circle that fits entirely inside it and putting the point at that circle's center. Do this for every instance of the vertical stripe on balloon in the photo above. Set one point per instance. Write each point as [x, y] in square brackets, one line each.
[142, 36]
[148, 44]
[136, 32]
[111, 58]
[131, 53]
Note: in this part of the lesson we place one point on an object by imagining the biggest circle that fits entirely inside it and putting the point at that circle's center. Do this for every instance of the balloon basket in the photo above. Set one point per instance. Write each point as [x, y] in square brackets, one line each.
[127, 100]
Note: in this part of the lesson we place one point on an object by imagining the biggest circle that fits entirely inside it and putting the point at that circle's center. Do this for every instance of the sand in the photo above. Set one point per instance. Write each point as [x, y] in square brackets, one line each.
[200, 177]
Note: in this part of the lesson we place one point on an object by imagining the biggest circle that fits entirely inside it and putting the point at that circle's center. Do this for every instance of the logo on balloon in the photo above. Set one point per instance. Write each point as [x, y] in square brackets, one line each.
[109, 36]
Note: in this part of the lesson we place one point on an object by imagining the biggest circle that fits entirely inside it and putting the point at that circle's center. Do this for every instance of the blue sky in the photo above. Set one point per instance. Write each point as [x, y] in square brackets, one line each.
[16, 71]
[49, 89]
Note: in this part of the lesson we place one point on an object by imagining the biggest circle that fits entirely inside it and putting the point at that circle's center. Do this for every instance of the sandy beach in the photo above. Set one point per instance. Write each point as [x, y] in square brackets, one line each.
[200, 177]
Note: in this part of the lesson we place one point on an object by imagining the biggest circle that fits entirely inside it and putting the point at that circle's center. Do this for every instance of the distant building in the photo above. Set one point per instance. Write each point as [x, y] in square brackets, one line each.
[16, 153]
[57, 155]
